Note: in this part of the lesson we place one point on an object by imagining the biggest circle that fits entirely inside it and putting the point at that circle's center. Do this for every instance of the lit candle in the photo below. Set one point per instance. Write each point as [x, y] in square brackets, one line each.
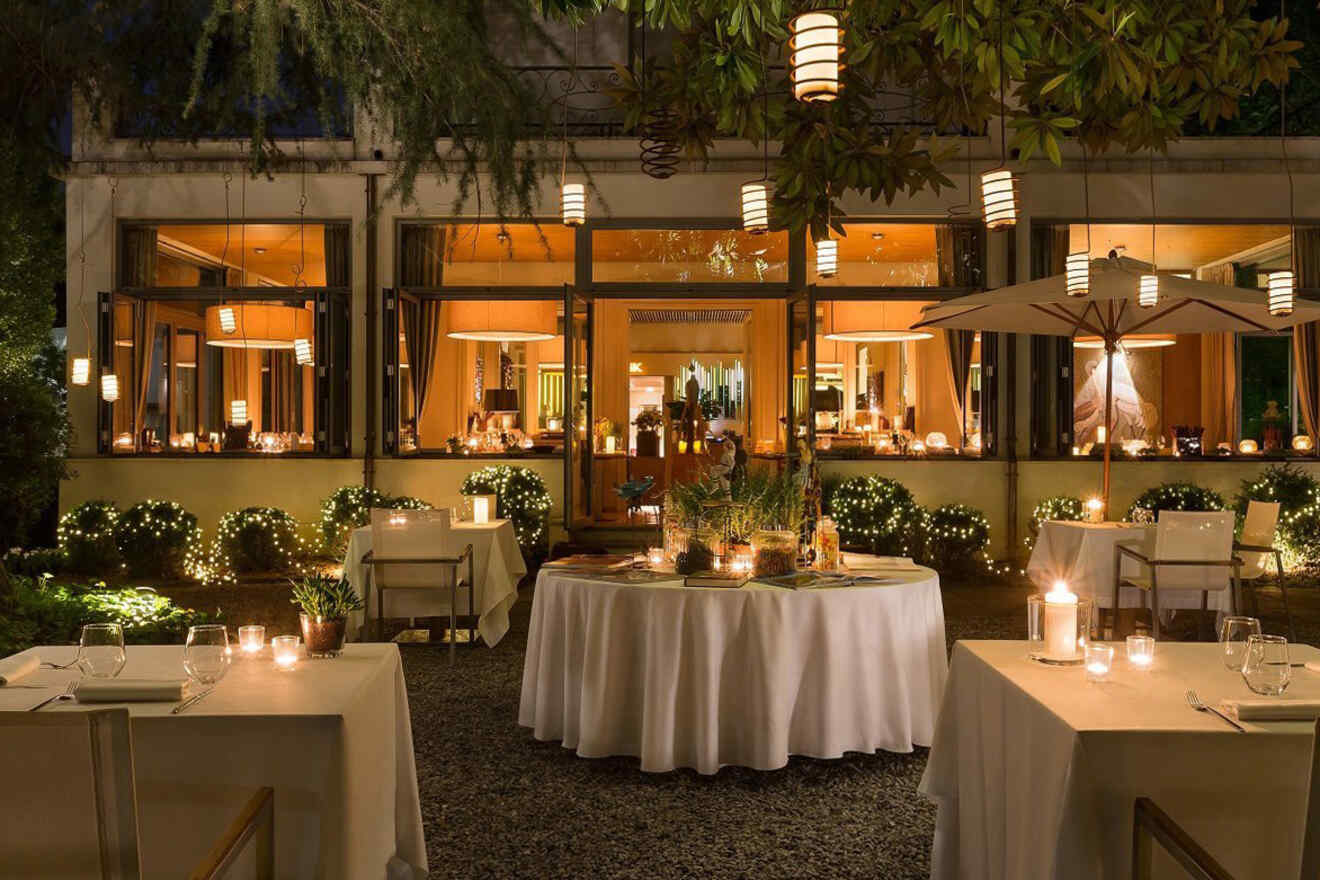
[481, 509]
[1099, 659]
[682, 447]
[1141, 651]
[696, 446]
[285, 651]
[655, 557]
[1060, 623]
[1095, 510]
[1100, 434]
[251, 639]
[609, 444]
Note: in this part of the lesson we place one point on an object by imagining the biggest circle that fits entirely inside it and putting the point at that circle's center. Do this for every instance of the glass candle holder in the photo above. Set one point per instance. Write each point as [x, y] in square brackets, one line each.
[1099, 660]
[655, 557]
[1058, 625]
[1141, 651]
[251, 639]
[285, 651]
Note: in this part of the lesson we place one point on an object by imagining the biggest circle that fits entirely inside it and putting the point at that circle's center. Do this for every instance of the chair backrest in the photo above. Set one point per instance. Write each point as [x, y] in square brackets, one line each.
[1186, 535]
[1258, 531]
[410, 534]
[69, 807]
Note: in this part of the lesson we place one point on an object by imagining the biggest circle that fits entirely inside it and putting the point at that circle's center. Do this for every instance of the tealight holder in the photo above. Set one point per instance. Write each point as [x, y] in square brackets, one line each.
[284, 649]
[1058, 625]
[479, 509]
[251, 640]
[1141, 651]
[655, 557]
[1099, 660]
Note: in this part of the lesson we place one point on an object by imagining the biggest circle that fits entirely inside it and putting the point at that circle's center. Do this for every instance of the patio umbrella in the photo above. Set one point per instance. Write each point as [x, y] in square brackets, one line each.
[1110, 313]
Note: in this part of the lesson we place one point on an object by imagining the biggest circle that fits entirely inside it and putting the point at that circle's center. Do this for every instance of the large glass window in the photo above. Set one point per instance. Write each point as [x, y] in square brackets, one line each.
[485, 255]
[235, 255]
[688, 256]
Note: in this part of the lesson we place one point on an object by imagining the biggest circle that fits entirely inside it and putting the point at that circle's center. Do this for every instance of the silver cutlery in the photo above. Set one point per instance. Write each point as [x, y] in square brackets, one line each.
[1195, 702]
[48, 665]
[25, 687]
[195, 698]
[60, 697]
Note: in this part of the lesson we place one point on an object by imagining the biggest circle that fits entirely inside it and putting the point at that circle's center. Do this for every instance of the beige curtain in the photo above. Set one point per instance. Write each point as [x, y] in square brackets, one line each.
[957, 256]
[337, 244]
[1219, 399]
[421, 338]
[960, 343]
[423, 256]
[144, 326]
[1306, 337]
[139, 268]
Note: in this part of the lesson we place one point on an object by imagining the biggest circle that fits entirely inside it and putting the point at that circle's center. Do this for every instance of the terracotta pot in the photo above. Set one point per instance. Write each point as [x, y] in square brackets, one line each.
[323, 636]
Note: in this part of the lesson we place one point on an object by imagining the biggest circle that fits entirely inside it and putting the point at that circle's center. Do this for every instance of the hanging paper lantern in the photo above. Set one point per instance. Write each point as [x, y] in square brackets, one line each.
[998, 198]
[228, 322]
[756, 206]
[109, 387]
[81, 372]
[574, 202]
[238, 411]
[1148, 293]
[815, 53]
[827, 258]
[1281, 293]
[302, 352]
[1078, 273]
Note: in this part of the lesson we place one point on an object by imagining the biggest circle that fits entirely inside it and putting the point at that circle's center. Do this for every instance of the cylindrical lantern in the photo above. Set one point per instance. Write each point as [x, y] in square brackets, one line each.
[756, 206]
[827, 258]
[302, 351]
[81, 372]
[227, 320]
[524, 320]
[109, 387]
[815, 53]
[1148, 293]
[1078, 274]
[574, 203]
[238, 412]
[1281, 293]
[999, 198]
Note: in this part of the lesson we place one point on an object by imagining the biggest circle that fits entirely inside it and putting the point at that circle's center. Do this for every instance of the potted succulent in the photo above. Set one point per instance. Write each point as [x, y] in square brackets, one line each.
[325, 603]
[648, 423]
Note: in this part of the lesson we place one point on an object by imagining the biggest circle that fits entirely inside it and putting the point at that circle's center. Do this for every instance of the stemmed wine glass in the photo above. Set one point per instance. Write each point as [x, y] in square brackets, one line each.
[101, 650]
[206, 653]
[1233, 635]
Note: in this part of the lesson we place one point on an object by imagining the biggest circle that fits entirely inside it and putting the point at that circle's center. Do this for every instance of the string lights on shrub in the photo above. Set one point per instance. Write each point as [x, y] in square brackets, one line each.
[522, 497]
[159, 539]
[1176, 496]
[955, 535]
[86, 534]
[349, 507]
[877, 513]
[1067, 508]
[260, 539]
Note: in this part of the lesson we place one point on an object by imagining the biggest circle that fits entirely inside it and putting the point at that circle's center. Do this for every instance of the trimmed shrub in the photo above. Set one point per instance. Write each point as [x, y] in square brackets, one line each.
[349, 508]
[955, 537]
[1298, 496]
[1057, 507]
[1176, 496]
[158, 539]
[521, 496]
[86, 534]
[258, 539]
[877, 514]
[1299, 537]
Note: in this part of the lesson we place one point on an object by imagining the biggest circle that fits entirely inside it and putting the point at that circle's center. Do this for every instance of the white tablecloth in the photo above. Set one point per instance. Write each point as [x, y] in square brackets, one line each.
[332, 737]
[702, 678]
[498, 566]
[1082, 554]
[1035, 771]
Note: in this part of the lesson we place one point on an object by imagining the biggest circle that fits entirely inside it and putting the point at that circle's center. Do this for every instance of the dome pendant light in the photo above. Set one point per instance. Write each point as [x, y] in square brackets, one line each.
[815, 55]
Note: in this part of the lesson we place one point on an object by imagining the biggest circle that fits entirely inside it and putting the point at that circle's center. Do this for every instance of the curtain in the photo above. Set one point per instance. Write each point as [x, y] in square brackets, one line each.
[1306, 337]
[139, 256]
[423, 256]
[144, 326]
[1219, 404]
[421, 338]
[337, 244]
[960, 344]
[957, 255]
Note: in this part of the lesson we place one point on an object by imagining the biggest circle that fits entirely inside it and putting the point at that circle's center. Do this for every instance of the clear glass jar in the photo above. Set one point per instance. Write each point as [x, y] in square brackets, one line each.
[1058, 628]
[827, 545]
[774, 552]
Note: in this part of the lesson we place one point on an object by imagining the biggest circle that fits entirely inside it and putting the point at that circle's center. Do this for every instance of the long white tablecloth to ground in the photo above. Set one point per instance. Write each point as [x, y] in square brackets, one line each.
[703, 678]
[332, 737]
[497, 567]
[1035, 772]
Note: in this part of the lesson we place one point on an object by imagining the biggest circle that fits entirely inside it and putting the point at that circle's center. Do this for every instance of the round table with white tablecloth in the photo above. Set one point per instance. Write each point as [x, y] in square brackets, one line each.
[703, 678]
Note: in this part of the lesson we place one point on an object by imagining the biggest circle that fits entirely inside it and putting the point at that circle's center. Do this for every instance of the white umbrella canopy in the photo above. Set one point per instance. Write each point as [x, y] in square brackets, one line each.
[1110, 311]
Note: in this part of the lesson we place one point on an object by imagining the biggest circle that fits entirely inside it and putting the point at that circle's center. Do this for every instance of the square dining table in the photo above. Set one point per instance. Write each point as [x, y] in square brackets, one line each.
[1035, 771]
[331, 736]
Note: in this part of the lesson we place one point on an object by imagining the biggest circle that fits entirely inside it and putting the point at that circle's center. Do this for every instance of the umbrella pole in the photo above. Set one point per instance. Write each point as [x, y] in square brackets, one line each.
[1109, 403]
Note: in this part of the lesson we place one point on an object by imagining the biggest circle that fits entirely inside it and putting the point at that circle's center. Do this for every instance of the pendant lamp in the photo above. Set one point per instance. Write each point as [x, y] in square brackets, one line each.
[827, 258]
[1282, 291]
[873, 321]
[81, 372]
[238, 412]
[573, 198]
[1078, 274]
[257, 325]
[815, 52]
[109, 387]
[502, 320]
[302, 352]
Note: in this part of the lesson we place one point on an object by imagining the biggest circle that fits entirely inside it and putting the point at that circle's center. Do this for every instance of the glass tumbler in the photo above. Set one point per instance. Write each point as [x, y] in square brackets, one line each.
[1265, 667]
[1233, 634]
[206, 653]
[101, 650]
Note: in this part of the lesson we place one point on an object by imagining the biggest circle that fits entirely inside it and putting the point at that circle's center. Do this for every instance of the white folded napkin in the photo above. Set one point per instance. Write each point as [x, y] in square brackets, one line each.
[132, 690]
[14, 668]
[1272, 710]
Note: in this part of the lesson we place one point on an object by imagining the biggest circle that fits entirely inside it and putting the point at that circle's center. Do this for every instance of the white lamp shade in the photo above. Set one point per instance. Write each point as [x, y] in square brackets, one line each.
[873, 321]
[756, 206]
[573, 201]
[257, 325]
[238, 411]
[1078, 274]
[109, 387]
[999, 199]
[827, 258]
[1148, 291]
[302, 351]
[1281, 293]
[81, 371]
[521, 320]
[815, 50]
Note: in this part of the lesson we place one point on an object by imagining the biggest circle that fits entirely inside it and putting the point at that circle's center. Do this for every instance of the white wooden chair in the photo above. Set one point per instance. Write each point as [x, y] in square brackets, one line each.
[69, 808]
[1193, 551]
[1256, 549]
[408, 553]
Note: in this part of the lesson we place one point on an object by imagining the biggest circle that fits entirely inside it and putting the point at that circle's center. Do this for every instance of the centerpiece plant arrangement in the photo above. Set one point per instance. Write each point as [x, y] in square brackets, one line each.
[763, 510]
[324, 603]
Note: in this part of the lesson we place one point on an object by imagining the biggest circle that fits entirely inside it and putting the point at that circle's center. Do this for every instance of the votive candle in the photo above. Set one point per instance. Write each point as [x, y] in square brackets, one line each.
[655, 557]
[480, 509]
[251, 639]
[285, 651]
[1099, 659]
[1141, 651]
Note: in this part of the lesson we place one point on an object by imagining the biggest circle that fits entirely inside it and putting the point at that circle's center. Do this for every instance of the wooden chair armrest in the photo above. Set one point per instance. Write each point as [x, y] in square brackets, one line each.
[1131, 550]
[1151, 824]
[1200, 562]
[1252, 548]
[422, 560]
[256, 817]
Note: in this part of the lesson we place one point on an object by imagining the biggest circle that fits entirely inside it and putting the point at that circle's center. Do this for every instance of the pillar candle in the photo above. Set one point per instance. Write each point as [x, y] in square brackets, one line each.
[1060, 623]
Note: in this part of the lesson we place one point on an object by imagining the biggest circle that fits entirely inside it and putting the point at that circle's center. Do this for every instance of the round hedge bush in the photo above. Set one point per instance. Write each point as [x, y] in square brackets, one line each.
[1298, 496]
[1176, 496]
[1299, 537]
[259, 539]
[521, 496]
[349, 508]
[955, 536]
[86, 534]
[877, 514]
[157, 539]
[1057, 507]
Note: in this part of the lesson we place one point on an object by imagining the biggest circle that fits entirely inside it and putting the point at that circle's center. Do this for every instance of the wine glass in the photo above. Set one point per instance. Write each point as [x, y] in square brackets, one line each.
[1233, 634]
[1265, 667]
[101, 650]
[206, 653]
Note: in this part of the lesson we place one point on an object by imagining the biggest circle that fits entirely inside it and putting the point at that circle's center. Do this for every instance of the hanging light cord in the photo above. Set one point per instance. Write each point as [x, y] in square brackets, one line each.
[1287, 166]
[1150, 174]
[1086, 201]
[82, 272]
[563, 160]
[1003, 91]
[299, 282]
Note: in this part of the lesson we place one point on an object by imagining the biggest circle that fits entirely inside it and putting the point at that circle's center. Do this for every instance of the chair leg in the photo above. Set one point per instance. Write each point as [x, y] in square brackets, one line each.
[1283, 589]
[380, 613]
[1154, 603]
[472, 603]
[1113, 609]
[453, 610]
[1200, 623]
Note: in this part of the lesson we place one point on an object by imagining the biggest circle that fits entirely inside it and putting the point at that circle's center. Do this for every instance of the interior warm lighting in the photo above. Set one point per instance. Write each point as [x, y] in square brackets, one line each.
[109, 387]
[574, 203]
[238, 411]
[815, 53]
[998, 198]
[257, 325]
[756, 206]
[1281, 293]
[875, 321]
[1135, 341]
[827, 258]
[1078, 274]
[1148, 293]
[502, 320]
[81, 373]
[302, 351]
[937, 440]
[1248, 447]
[1302, 443]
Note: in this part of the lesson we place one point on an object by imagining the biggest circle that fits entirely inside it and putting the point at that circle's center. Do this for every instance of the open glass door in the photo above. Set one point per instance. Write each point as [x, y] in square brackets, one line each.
[800, 424]
[578, 419]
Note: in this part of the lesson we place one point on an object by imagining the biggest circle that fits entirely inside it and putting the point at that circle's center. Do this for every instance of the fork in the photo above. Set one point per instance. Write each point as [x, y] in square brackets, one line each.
[1195, 702]
[66, 695]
